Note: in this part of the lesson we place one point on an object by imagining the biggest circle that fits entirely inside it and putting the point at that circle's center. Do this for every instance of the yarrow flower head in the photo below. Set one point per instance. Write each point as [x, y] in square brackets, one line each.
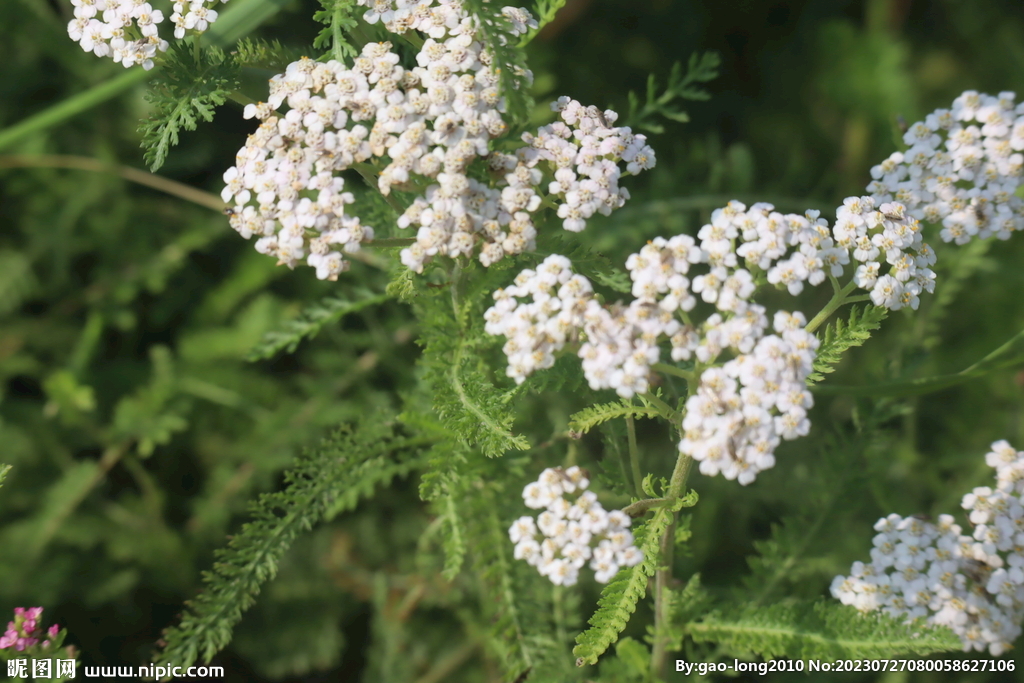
[741, 410]
[421, 128]
[569, 534]
[26, 631]
[128, 30]
[962, 168]
[974, 584]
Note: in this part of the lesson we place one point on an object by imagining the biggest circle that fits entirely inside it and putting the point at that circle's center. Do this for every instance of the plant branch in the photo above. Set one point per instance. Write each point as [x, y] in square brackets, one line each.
[634, 456]
[837, 300]
[135, 175]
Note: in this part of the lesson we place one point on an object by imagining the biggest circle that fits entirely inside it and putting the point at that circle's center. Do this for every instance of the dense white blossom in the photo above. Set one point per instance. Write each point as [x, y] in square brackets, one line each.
[570, 533]
[962, 168]
[128, 30]
[974, 584]
[419, 129]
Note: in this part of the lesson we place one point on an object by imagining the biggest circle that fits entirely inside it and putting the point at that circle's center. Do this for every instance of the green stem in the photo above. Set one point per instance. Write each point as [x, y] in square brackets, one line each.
[688, 375]
[392, 242]
[559, 606]
[663, 408]
[837, 300]
[662, 577]
[641, 507]
[634, 456]
[239, 98]
[366, 171]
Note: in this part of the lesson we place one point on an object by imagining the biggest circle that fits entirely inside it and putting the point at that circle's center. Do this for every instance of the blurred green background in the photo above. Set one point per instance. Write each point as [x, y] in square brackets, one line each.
[138, 431]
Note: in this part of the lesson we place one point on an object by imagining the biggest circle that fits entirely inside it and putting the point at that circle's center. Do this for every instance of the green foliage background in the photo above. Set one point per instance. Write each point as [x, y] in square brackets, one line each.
[143, 404]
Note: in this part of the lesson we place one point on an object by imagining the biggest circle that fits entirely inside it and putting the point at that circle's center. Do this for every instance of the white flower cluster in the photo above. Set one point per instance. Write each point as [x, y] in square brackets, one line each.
[584, 151]
[536, 331]
[972, 584]
[742, 411]
[562, 538]
[962, 168]
[128, 30]
[427, 125]
[435, 18]
[581, 152]
[796, 250]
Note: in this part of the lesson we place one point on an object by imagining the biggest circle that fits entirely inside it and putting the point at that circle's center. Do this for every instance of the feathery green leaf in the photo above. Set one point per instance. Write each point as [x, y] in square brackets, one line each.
[338, 15]
[314, 318]
[545, 11]
[700, 69]
[184, 92]
[325, 481]
[841, 336]
[620, 597]
[820, 630]
[588, 418]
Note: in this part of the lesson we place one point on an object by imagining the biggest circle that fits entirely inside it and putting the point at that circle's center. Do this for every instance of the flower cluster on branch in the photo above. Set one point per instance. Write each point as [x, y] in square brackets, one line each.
[569, 534]
[128, 30]
[962, 169]
[974, 584]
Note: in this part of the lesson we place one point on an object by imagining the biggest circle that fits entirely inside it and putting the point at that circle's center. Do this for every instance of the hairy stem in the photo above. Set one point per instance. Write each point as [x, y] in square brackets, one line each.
[838, 299]
[663, 408]
[634, 456]
[642, 506]
[662, 577]
[688, 375]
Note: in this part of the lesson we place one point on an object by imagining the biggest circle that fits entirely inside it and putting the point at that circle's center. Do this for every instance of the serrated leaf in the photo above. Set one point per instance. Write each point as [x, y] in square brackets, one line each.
[325, 481]
[545, 12]
[338, 15]
[314, 318]
[495, 32]
[820, 630]
[184, 92]
[588, 418]
[842, 336]
[700, 69]
[620, 597]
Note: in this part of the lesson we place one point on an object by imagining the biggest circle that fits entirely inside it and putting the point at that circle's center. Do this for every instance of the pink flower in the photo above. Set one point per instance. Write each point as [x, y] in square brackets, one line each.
[9, 638]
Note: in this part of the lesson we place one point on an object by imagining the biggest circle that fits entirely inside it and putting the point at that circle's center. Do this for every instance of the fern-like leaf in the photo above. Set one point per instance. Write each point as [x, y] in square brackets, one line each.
[475, 411]
[454, 539]
[185, 91]
[495, 32]
[620, 597]
[701, 69]
[819, 630]
[844, 335]
[263, 54]
[588, 418]
[338, 15]
[314, 318]
[493, 563]
[325, 481]
[4, 469]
